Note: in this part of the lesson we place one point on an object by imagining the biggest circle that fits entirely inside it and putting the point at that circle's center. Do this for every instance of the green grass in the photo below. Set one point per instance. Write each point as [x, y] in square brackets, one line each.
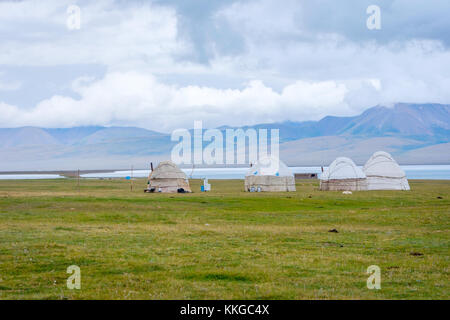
[226, 244]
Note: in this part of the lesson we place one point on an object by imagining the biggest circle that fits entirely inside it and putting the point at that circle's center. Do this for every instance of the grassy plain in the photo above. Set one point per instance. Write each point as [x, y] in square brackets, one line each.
[225, 244]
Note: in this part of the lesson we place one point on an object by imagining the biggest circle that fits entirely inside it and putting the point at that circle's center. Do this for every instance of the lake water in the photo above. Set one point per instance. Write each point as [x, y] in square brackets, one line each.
[29, 176]
[435, 172]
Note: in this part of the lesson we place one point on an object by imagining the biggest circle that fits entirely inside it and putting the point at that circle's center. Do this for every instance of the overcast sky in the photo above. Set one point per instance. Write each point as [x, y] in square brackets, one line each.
[163, 64]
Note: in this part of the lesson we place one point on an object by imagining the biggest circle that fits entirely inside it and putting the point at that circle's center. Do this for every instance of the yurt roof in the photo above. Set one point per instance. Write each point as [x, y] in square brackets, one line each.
[167, 170]
[383, 165]
[269, 166]
[342, 168]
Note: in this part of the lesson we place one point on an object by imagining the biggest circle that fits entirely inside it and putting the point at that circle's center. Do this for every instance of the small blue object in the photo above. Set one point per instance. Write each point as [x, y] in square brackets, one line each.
[128, 177]
[202, 188]
[277, 174]
[256, 172]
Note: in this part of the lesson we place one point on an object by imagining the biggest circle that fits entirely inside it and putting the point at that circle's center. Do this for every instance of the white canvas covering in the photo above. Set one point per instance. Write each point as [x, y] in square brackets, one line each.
[384, 173]
[343, 175]
[270, 175]
[167, 177]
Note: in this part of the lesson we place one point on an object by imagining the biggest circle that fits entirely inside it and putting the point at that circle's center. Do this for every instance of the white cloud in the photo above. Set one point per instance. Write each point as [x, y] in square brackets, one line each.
[139, 99]
[111, 33]
[263, 19]
[294, 64]
[283, 44]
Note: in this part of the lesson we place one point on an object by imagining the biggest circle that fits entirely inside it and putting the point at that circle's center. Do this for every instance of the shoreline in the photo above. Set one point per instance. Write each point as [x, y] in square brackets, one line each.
[65, 173]
[85, 171]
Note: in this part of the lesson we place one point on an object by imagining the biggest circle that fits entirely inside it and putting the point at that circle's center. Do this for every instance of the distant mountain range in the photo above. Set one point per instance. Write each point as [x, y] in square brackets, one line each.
[413, 133]
[428, 122]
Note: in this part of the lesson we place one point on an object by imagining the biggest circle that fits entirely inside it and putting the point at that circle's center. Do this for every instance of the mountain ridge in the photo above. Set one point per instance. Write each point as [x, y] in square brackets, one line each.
[407, 120]
[404, 130]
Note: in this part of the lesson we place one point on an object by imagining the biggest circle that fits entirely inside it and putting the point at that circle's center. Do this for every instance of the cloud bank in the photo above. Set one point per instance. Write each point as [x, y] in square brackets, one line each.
[163, 64]
[139, 99]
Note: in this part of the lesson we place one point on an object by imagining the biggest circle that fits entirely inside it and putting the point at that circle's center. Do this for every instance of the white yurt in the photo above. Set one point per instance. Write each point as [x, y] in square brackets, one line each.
[384, 173]
[167, 177]
[269, 175]
[343, 175]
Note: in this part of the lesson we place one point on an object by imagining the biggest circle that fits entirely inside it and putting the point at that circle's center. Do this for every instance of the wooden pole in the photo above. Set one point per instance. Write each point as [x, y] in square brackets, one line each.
[131, 179]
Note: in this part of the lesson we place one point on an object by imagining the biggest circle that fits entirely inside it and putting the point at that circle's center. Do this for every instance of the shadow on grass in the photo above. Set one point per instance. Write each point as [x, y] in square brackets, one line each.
[217, 277]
